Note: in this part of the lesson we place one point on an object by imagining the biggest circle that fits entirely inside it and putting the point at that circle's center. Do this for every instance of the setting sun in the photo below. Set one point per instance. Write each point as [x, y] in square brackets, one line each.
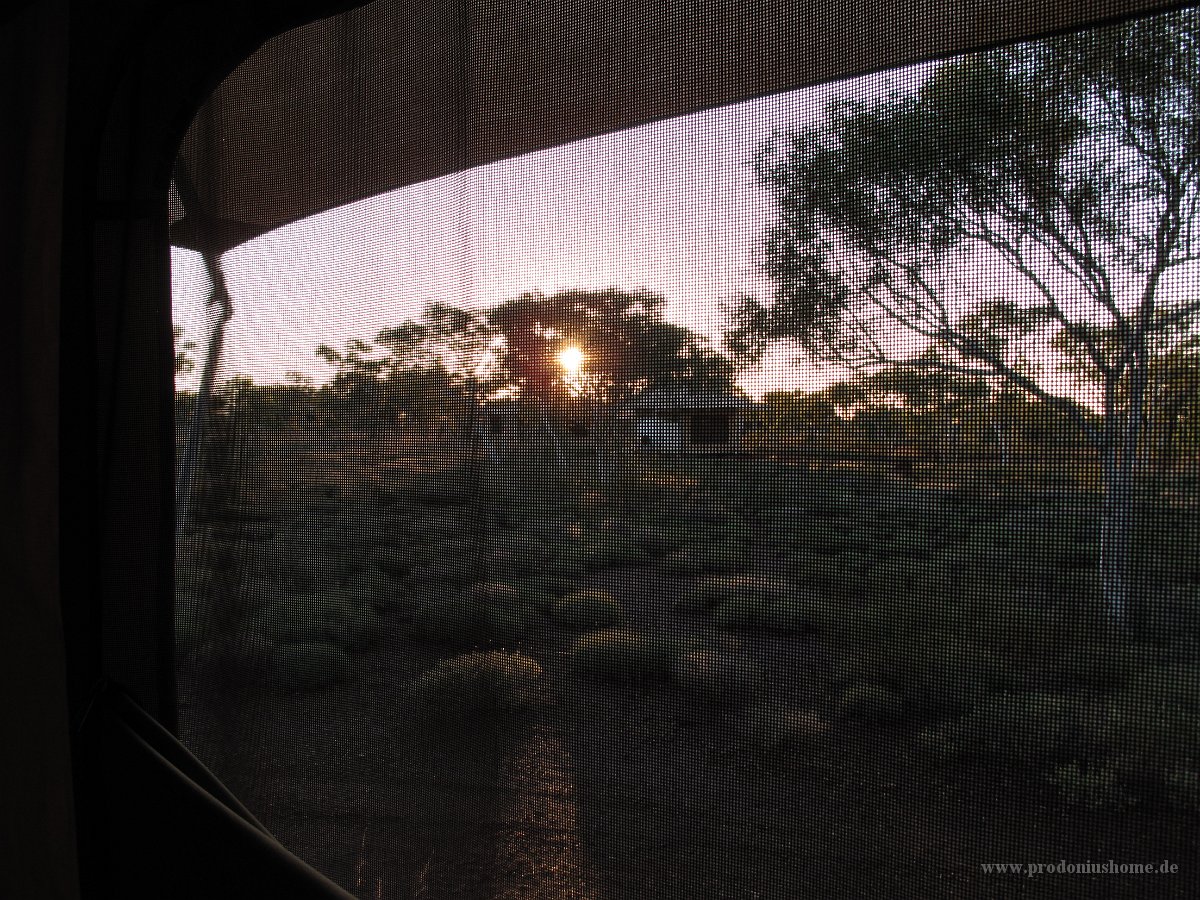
[571, 359]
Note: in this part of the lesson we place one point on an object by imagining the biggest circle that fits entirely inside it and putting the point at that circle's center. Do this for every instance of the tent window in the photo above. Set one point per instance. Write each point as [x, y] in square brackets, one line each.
[463, 608]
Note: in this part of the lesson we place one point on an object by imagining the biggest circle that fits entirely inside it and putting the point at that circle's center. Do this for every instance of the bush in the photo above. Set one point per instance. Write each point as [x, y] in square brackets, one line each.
[1029, 729]
[308, 666]
[1182, 789]
[718, 677]
[482, 615]
[301, 620]
[712, 591]
[509, 610]
[190, 629]
[1151, 730]
[457, 620]
[375, 590]
[463, 689]
[1079, 660]
[587, 610]
[393, 562]
[936, 673]
[704, 559]
[839, 575]
[1096, 788]
[358, 627]
[542, 590]
[517, 553]
[785, 614]
[616, 545]
[1099, 752]
[786, 728]
[447, 566]
[871, 702]
[619, 654]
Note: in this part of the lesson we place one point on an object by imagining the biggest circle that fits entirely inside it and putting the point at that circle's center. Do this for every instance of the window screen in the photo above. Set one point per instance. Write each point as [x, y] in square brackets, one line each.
[794, 499]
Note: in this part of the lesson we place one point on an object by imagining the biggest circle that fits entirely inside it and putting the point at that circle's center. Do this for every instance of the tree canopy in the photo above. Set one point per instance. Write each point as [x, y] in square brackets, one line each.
[625, 342]
[1070, 165]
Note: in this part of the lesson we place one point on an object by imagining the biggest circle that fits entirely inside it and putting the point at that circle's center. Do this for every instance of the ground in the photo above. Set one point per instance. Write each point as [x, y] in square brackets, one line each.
[667, 785]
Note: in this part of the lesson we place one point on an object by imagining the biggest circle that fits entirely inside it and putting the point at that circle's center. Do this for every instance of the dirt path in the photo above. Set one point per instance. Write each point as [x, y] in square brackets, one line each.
[538, 854]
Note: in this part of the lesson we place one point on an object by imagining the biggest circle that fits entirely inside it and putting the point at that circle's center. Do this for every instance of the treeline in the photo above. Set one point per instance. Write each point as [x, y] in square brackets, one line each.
[434, 371]
[936, 416]
[435, 374]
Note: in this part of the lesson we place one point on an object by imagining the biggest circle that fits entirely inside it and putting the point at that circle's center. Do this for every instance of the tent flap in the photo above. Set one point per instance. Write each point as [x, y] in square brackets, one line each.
[393, 93]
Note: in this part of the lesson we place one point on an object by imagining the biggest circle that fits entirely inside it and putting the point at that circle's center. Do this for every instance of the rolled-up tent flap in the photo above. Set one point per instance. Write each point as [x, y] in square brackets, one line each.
[393, 93]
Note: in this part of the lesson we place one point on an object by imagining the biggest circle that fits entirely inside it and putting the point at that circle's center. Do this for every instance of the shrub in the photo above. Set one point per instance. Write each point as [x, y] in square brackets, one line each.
[508, 610]
[308, 666]
[517, 553]
[374, 590]
[358, 627]
[703, 559]
[259, 591]
[480, 616]
[713, 590]
[539, 594]
[937, 674]
[586, 610]
[1079, 655]
[1029, 729]
[1182, 789]
[189, 624]
[454, 487]
[871, 702]
[456, 567]
[661, 536]
[840, 574]
[1152, 728]
[718, 677]
[618, 654]
[786, 728]
[463, 689]
[786, 614]
[300, 620]
[1095, 788]
[618, 544]
[393, 562]
[457, 620]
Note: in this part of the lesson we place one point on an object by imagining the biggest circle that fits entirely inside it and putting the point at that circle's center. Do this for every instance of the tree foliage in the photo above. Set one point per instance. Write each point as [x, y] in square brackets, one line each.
[626, 344]
[183, 350]
[1074, 164]
[1071, 164]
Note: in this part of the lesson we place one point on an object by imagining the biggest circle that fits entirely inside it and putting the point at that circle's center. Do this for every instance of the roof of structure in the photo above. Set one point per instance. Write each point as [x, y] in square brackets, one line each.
[679, 397]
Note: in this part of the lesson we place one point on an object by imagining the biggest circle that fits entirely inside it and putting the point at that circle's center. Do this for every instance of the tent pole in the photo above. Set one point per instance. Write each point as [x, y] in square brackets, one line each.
[218, 297]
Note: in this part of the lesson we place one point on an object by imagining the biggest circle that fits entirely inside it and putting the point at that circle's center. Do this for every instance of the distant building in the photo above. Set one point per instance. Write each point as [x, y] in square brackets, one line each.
[680, 418]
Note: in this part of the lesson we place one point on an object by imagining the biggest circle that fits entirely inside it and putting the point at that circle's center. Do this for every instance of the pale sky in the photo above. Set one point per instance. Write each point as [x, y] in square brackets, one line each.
[671, 207]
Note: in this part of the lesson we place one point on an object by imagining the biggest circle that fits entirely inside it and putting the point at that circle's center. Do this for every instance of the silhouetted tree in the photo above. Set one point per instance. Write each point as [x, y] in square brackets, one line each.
[1073, 162]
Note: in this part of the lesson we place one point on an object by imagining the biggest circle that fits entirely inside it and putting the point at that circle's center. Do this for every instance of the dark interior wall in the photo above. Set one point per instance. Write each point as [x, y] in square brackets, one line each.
[137, 73]
[36, 821]
[96, 98]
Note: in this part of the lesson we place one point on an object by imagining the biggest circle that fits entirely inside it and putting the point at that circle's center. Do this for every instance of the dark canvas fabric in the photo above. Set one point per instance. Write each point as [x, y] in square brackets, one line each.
[387, 94]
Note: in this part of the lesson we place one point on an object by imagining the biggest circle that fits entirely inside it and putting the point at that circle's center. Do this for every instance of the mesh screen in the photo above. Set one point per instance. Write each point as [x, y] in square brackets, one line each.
[794, 499]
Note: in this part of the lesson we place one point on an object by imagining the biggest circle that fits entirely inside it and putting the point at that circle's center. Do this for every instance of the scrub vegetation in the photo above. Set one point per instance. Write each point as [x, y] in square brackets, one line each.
[462, 601]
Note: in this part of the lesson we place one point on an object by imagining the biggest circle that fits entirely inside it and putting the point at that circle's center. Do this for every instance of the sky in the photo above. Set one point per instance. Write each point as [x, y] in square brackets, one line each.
[671, 207]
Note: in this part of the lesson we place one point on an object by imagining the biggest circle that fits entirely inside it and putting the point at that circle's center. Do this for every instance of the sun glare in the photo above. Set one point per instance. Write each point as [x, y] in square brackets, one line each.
[571, 359]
